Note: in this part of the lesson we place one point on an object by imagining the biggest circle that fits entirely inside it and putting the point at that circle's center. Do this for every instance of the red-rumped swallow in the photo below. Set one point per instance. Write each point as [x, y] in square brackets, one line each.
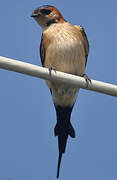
[64, 47]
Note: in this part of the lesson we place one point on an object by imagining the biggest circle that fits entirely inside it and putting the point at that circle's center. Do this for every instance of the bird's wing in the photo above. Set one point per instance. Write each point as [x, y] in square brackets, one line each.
[42, 51]
[43, 46]
[84, 40]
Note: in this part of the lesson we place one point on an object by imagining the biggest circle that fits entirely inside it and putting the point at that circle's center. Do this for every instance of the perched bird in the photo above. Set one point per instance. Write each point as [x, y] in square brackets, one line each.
[64, 47]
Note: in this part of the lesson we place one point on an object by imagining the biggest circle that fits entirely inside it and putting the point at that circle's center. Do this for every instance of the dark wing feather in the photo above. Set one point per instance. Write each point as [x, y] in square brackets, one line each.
[42, 52]
[84, 41]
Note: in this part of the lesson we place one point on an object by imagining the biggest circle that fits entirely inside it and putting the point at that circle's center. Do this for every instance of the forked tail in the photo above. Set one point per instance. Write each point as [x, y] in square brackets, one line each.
[59, 163]
[62, 140]
[63, 129]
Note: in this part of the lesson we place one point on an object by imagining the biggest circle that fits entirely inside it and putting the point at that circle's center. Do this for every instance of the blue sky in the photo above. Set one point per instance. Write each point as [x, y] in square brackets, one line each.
[28, 148]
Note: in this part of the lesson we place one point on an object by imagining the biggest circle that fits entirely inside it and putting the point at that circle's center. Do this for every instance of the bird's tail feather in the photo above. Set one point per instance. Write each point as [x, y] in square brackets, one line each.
[69, 130]
[59, 163]
[62, 141]
[63, 129]
[62, 134]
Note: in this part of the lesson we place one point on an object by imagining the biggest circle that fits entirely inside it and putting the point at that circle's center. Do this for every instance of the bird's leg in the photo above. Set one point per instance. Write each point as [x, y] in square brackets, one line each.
[87, 79]
[50, 69]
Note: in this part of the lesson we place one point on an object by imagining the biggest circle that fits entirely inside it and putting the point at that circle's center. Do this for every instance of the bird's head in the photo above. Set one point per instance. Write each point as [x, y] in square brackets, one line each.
[47, 15]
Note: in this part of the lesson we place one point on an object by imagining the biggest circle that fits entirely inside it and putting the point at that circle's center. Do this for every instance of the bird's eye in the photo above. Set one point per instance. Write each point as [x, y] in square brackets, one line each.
[45, 11]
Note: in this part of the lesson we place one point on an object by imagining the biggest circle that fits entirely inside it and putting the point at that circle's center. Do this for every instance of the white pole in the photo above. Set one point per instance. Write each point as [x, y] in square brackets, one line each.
[59, 77]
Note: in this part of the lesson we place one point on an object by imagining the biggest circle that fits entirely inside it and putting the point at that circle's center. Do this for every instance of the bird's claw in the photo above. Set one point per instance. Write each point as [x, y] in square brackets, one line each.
[87, 79]
[50, 70]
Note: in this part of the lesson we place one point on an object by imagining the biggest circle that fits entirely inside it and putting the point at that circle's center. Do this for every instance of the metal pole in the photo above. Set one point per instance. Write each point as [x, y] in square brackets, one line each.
[59, 77]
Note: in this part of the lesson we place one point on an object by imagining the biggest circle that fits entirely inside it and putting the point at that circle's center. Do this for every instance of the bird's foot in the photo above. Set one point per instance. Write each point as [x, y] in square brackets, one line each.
[50, 70]
[87, 79]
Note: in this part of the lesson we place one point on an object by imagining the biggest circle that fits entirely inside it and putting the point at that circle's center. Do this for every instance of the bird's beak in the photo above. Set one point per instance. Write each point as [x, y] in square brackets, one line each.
[34, 15]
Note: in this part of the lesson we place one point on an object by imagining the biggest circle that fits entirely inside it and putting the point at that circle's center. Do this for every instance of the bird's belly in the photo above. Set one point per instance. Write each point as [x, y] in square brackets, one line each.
[68, 57]
[64, 96]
